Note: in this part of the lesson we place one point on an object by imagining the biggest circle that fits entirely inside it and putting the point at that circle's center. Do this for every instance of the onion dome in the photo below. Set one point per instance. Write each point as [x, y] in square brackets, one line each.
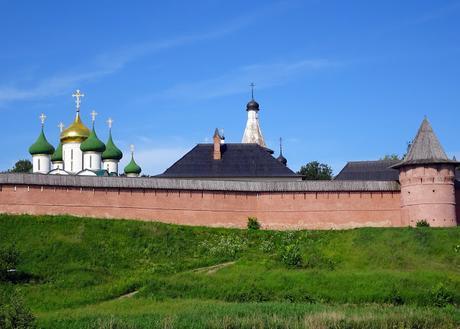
[57, 155]
[132, 167]
[252, 106]
[111, 151]
[41, 145]
[92, 143]
[281, 158]
[76, 132]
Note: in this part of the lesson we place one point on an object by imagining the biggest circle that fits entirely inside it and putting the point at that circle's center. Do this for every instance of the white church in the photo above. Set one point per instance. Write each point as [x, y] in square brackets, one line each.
[80, 151]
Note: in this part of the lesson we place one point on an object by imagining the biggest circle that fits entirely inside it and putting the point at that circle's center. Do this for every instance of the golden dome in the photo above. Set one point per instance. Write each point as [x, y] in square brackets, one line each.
[76, 132]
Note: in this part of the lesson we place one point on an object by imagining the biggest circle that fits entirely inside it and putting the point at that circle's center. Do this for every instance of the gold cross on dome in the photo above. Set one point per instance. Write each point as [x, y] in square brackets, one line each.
[110, 123]
[78, 95]
[93, 115]
[61, 127]
[42, 118]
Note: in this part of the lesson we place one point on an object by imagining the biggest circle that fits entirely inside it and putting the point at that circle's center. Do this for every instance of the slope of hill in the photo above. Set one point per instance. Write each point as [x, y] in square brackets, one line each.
[80, 272]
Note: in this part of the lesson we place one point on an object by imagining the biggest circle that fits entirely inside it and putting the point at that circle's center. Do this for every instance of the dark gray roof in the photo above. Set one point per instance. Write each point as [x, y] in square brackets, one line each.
[425, 148]
[379, 170]
[195, 184]
[238, 160]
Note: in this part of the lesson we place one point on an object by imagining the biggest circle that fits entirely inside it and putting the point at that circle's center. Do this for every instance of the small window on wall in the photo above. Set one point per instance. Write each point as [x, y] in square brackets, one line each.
[71, 154]
[38, 163]
[90, 161]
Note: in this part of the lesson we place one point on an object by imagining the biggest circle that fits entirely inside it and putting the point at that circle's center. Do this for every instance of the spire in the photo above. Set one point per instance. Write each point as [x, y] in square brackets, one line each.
[425, 149]
[41, 145]
[77, 131]
[252, 133]
[112, 152]
[281, 158]
[132, 169]
[92, 143]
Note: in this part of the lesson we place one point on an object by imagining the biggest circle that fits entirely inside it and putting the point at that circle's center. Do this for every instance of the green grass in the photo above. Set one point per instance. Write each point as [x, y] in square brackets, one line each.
[73, 270]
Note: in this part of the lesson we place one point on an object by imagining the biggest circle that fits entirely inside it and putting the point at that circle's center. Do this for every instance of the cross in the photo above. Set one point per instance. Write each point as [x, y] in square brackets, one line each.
[77, 96]
[93, 115]
[281, 145]
[110, 123]
[132, 148]
[252, 85]
[61, 126]
[42, 118]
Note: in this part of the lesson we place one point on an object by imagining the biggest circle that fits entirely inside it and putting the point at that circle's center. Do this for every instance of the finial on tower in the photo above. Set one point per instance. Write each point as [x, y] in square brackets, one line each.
[281, 158]
[131, 147]
[61, 127]
[93, 116]
[42, 118]
[78, 95]
[252, 85]
[110, 123]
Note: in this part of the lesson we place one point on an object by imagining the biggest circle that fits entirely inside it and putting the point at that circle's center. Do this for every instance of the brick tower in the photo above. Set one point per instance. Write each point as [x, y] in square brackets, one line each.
[427, 179]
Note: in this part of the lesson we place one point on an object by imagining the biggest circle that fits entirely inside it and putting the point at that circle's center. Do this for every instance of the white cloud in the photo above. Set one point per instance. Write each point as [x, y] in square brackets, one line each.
[266, 75]
[111, 62]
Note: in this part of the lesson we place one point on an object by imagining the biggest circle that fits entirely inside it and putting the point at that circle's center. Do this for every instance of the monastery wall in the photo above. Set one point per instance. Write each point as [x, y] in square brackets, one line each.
[457, 201]
[289, 209]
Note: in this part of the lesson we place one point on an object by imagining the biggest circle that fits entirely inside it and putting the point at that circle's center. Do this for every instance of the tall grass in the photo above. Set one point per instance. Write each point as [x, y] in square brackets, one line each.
[80, 263]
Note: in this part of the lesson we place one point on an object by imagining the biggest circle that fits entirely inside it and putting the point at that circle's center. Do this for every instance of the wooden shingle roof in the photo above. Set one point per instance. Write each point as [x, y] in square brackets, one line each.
[238, 160]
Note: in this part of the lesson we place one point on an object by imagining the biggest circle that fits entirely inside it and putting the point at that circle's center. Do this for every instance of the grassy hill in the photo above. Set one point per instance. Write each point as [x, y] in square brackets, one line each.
[89, 273]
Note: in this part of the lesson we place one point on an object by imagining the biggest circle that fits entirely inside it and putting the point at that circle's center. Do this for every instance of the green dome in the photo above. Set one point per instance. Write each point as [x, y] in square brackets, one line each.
[92, 143]
[111, 151]
[41, 146]
[57, 155]
[132, 167]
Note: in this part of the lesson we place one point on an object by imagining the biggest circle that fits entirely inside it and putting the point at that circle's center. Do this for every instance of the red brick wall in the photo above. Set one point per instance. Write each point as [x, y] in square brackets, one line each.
[457, 204]
[288, 210]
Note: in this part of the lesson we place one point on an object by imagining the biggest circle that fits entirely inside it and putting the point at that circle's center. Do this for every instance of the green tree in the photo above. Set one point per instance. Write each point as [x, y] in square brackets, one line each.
[14, 314]
[392, 156]
[22, 166]
[9, 259]
[315, 171]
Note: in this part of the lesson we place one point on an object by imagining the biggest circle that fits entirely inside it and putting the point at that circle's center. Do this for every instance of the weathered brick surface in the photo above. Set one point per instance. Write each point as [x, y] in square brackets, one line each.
[275, 210]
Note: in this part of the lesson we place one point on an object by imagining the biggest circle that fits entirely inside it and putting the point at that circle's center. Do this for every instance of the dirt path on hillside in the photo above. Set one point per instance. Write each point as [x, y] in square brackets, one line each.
[212, 269]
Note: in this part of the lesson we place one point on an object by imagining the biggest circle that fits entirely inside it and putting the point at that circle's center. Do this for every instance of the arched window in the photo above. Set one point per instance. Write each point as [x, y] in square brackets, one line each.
[38, 164]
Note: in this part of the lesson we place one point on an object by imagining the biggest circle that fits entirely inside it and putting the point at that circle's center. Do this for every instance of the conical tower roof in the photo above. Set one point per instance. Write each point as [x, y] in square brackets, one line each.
[112, 152]
[92, 143]
[132, 167]
[425, 149]
[57, 155]
[41, 145]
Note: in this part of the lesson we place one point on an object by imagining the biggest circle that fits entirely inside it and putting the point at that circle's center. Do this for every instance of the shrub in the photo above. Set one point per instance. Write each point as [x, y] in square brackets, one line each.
[9, 259]
[395, 297]
[14, 314]
[226, 246]
[253, 223]
[291, 256]
[441, 296]
[422, 223]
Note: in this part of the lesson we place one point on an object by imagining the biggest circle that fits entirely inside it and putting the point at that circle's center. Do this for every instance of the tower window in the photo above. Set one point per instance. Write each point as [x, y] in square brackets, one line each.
[90, 161]
[38, 163]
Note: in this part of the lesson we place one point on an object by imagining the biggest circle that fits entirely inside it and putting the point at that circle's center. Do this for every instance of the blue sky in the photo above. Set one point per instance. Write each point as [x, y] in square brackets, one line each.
[338, 80]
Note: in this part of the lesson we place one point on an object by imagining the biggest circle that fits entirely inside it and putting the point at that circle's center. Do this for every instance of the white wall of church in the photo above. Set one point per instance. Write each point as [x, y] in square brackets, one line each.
[73, 157]
[111, 166]
[57, 165]
[41, 163]
[92, 160]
